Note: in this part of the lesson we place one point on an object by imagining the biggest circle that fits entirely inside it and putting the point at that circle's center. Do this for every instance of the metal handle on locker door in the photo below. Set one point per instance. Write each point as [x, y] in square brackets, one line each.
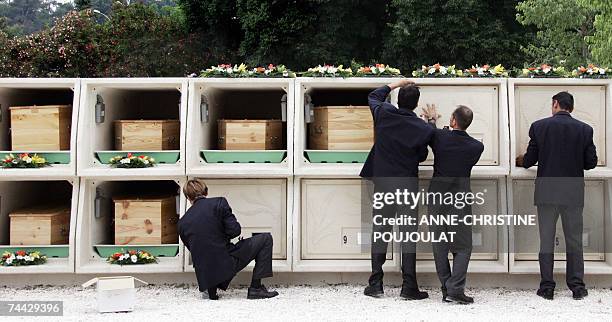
[284, 108]
[204, 115]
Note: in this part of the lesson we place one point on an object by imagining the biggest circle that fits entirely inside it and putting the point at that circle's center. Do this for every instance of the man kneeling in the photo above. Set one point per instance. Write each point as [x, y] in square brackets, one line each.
[207, 229]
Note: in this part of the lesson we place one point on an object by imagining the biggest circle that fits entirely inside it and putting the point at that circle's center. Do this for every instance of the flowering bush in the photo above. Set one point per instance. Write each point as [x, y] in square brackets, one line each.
[22, 258]
[377, 70]
[132, 257]
[328, 71]
[23, 160]
[543, 70]
[132, 161]
[486, 71]
[437, 70]
[592, 71]
[227, 70]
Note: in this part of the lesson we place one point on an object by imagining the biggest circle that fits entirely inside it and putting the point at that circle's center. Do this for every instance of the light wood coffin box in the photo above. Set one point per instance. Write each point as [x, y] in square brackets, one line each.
[250, 135]
[341, 128]
[147, 135]
[40, 226]
[145, 220]
[40, 128]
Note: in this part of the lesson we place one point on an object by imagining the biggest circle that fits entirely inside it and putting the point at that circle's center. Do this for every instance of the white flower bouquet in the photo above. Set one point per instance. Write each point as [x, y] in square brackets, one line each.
[132, 161]
[437, 70]
[592, 71]
[486, 71]
[22, 258]
[132, 257]
[328, 71]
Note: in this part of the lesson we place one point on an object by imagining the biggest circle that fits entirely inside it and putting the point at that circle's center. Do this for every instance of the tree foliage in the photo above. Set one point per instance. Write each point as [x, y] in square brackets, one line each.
[601, 40]
[562, 27]
[461, 32]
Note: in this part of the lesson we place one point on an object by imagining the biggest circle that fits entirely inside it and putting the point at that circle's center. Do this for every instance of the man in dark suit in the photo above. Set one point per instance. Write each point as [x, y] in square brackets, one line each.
[455, 154]
[563, 148]
[400, 144]
[207, 229]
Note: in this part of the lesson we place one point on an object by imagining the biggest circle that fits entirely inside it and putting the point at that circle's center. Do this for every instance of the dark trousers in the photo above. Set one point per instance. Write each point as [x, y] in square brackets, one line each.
[258, 248]
[571, 219]
[461, 247]
[408, 249]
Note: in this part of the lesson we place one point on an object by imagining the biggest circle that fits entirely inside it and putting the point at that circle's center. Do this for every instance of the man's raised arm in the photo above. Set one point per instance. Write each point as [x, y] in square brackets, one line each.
[377, 97]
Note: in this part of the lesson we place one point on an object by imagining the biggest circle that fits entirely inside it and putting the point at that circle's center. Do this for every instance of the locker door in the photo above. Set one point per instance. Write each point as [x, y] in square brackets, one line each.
[260, 205]
[483, 100]
[534, 102]
[331, 220]
[484, 238]
[526, 238]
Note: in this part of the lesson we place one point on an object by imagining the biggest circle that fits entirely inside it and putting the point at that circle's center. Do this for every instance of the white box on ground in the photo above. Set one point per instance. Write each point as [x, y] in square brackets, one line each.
[115, 294]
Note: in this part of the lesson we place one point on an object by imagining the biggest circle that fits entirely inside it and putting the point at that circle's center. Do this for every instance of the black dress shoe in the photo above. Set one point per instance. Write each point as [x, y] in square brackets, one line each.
[444, 295]
[257, 293]
[460, 298]
[412, 294]
[547, 293]
[374, 290]
[579, 293]
[206, 296]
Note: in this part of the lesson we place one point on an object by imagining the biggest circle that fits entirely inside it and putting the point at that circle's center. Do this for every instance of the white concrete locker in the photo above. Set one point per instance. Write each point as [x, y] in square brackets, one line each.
[27, 192]
[526, 238]
[482, 99]
[260, 205]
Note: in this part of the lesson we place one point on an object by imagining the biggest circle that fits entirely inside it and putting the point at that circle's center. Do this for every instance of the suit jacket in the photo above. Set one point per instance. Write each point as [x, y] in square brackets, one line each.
[206, 229]
[401, 139]
[563, 148]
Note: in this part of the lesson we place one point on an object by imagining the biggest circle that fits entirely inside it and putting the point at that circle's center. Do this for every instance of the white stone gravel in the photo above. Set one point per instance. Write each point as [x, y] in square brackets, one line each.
[321, 303]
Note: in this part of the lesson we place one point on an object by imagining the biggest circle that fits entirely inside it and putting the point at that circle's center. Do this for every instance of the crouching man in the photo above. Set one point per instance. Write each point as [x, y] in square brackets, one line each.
[207, 229]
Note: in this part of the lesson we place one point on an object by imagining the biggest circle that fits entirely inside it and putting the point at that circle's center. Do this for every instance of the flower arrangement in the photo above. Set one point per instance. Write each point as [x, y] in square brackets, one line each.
[22, 258]
[328, 71]
[543, 70]
[242, 70]
[23, 160]
[377, 70]
[132, 161]
[225, 70]
[486, 71]
[437, 70]
[132, 257]
[271, 71]
[592, 71]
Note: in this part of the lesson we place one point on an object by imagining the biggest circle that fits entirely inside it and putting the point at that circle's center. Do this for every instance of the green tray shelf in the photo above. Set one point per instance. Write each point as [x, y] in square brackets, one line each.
[51, 251]
[53, 157]
[326, 156]
[161, 157]
[168, 250]
[243, 156]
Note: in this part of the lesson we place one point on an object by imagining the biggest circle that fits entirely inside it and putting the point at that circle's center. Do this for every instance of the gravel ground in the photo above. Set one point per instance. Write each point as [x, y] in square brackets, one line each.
[334, 302]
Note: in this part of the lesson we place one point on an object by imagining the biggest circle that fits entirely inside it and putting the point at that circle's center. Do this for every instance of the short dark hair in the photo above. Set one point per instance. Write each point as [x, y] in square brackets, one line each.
[408, 97]
[463, 116]
[565, 99]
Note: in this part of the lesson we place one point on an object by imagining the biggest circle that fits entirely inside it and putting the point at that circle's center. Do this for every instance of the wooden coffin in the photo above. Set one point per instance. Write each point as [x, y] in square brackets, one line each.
[147, 135]
[341, 128]
[145, 220]
[40, 226]
[40, 128]
[250, 135]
